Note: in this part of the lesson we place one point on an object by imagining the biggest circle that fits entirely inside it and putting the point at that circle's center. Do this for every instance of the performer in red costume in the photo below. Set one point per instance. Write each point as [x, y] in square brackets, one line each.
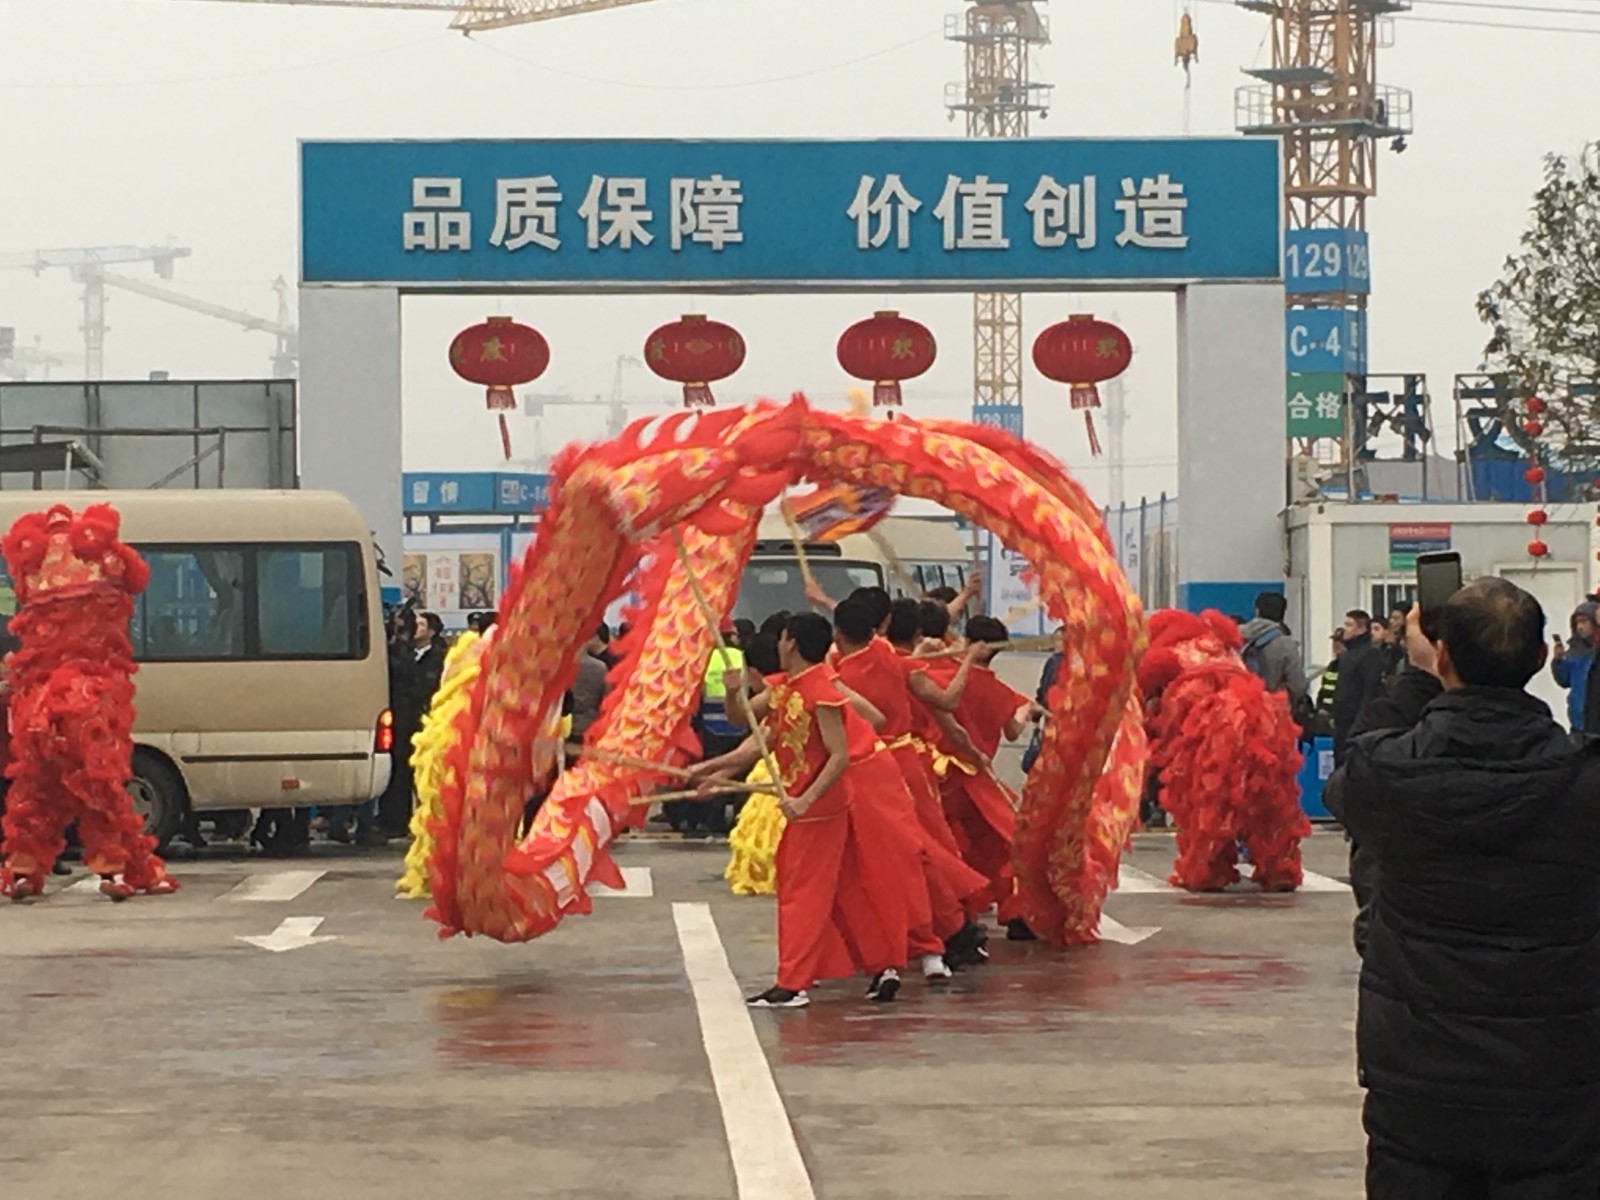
[982, 811]
[868, 666]
[72, 704]
[1226, 750]
[846, 901]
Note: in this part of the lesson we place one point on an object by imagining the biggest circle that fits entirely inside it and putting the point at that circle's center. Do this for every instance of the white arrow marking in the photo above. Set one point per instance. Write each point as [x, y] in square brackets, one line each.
[1114, 931]
[292, 933]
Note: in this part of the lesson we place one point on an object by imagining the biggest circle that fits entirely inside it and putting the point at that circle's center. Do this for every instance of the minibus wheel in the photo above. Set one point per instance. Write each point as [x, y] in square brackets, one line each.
[158, 796]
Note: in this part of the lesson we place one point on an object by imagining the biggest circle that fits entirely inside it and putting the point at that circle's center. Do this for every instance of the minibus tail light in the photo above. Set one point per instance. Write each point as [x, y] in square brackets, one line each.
[384, 742]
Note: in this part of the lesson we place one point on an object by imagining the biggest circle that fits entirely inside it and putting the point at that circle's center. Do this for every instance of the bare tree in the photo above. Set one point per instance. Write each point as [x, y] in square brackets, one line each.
[1544, 312]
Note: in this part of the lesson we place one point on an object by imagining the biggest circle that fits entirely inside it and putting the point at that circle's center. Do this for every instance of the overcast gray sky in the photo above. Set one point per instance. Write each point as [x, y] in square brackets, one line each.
[140, 120]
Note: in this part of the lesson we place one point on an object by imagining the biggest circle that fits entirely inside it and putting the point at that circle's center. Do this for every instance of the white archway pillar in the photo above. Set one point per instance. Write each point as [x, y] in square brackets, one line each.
[1232, 479]
[350, 403]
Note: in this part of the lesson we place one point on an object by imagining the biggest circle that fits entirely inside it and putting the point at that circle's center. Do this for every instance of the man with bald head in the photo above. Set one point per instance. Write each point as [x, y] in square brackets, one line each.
[1478, 1034]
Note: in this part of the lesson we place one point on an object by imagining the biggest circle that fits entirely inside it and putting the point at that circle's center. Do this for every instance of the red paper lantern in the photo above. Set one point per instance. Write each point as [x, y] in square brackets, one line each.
[885, 350]
[695, 352]
[1537, 549]
[500, 354]
[1535, 406]
[1538, 517]
[1082, 352]
[1534, 475]
[1533, 428]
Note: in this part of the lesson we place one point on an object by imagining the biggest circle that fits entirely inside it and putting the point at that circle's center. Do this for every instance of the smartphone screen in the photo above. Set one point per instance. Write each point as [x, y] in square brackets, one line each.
[1438, 578]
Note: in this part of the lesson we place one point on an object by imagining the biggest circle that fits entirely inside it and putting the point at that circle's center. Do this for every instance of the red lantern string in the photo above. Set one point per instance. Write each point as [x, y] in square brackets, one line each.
[1535, 474]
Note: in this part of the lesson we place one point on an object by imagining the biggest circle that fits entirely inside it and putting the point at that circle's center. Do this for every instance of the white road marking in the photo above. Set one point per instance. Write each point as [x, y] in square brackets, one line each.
[274, 887]
[1131, 879]
[766, 1160]
[292, 933]
[641, 885]
[1112, 930]
[1322, 883]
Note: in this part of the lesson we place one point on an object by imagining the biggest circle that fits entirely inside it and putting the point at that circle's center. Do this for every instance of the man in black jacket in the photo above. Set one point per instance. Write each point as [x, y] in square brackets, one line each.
[1478, 1035]
[1362, 667]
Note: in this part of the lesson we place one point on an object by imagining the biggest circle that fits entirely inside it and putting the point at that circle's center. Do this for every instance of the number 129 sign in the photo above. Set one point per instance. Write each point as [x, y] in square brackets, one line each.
[1319, 262]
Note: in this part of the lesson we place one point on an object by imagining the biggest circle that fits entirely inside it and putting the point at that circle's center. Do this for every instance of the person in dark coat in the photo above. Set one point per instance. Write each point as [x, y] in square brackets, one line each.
[1361, 670]
[1478, 1032]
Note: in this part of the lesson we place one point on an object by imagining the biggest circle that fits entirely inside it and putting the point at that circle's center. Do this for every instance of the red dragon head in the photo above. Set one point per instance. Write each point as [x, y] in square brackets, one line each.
[60, 554]
[1181, 641]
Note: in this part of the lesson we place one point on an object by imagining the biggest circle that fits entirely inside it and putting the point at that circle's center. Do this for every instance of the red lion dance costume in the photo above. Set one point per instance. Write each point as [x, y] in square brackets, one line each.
[72, 704]
[1227, 754]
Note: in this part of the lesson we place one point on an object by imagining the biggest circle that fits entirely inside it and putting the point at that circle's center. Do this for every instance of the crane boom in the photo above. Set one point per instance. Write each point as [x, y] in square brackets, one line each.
[470, 15]
[245, 320]
[38, 261]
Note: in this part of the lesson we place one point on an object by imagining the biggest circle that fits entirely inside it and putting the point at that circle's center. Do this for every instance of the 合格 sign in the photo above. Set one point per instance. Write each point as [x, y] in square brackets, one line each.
[1327, 262]
[1315, 406]
[1406, 542]
[789, 215]
[1326, 341]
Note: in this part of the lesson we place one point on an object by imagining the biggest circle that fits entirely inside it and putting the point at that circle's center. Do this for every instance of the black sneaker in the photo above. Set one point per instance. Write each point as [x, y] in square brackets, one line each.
[777, 997]
[1017, 931]
[885, 986]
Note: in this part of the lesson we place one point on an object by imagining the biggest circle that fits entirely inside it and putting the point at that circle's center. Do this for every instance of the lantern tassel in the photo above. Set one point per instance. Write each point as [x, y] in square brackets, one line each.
[698, 395]
[505, 437]
[886, 394]
[1094, 436]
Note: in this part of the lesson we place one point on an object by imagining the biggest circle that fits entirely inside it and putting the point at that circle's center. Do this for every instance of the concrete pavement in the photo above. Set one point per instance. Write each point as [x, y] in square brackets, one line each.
[147, 1052]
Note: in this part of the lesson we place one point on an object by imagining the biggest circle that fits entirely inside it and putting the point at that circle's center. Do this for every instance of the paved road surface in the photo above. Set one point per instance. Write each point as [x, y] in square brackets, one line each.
[148, 1053]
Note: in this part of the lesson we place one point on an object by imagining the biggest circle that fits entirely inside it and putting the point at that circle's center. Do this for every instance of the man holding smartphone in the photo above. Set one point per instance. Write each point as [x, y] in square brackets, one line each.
[1478, 1033]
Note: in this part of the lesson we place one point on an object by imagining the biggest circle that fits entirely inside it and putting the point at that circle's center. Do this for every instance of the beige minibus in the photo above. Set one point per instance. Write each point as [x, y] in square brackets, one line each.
[263, 666]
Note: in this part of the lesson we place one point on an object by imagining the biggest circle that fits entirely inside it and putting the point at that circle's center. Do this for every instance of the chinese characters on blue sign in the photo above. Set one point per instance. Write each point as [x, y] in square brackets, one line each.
[472, 493]
[789, 215]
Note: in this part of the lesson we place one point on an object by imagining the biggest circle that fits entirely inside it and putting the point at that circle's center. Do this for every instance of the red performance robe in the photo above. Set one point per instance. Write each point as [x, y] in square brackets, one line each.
[978, 808]
[880, 676]
[845, 904]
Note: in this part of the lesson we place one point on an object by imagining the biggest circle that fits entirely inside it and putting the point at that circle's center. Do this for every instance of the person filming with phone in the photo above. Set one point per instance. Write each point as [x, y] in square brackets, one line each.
[1478, 1029]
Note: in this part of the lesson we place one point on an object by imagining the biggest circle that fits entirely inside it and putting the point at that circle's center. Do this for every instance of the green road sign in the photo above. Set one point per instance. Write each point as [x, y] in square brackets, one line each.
[1315, 405]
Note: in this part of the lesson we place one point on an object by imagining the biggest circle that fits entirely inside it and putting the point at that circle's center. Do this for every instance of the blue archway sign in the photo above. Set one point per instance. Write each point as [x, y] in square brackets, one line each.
[790, 216]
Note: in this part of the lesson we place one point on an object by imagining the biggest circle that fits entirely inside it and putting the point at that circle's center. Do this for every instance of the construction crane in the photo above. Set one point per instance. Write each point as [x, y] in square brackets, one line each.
[88, 264]
[22, 361]
[286, 354]
[998, 97]
[471, 16]
[535, 404]
[1322, 97]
